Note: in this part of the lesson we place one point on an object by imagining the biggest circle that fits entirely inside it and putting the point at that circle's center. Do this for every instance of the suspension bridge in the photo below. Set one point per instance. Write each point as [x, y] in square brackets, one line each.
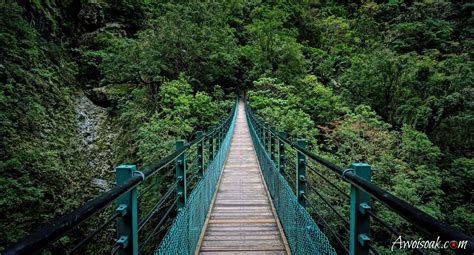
[240, 188]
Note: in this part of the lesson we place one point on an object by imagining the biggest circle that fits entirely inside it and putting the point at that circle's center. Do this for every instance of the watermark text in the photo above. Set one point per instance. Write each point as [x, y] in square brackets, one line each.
[420, 243]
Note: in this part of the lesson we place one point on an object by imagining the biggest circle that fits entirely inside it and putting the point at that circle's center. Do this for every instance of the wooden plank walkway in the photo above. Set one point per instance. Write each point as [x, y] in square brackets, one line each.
[242, 218]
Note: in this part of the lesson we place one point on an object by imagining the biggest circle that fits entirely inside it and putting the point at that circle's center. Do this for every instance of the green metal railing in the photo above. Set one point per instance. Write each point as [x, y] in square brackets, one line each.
[183, 236]
[177, 199]
[302, 233]
[295, 176]
[162, 208]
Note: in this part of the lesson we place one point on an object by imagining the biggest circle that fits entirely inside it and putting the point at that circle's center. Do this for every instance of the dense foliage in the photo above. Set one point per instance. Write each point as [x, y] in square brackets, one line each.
[149, 103]
[384, 83]
[389, 83]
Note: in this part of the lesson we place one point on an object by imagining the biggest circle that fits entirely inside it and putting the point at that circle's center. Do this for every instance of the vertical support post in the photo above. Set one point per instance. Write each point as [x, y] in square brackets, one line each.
[218, 136]
[181, 176]
[200, 154]
[127, 222]
[211, 144]
[301, 173]
[270, 144]
[359, 218]
[258, 129]
[223, 131]
[264, 140]
[275, 148]
[216, 139]
[226, 128]
[281, 152]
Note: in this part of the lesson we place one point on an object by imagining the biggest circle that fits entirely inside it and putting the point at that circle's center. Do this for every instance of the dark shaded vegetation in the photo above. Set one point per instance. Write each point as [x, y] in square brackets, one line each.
[385, 83]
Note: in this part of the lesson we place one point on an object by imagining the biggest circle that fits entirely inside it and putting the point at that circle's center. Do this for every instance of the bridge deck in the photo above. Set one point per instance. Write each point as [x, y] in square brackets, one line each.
[242, 220]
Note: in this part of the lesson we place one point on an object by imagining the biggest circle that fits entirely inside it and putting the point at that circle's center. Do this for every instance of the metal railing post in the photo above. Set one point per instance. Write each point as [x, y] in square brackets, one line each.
[264, 138]
[257, 127]
[217, 138]
[211, 144]
[359, 218]
[127, 222]
[275, 148]
[271, 143]
[258, 130]
[223, 131]
[281, 152]
[200, 154]
[181, 176]
[301, 173]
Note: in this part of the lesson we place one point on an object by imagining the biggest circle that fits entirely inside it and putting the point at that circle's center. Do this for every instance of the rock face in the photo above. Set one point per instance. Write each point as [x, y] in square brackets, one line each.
[96, 136]
[91, 15]
[88, 118]
[116, 29]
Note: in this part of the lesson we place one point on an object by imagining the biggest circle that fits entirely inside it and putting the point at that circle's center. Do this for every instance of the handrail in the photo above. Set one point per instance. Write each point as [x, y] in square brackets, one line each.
[44, 236]
[418, 218]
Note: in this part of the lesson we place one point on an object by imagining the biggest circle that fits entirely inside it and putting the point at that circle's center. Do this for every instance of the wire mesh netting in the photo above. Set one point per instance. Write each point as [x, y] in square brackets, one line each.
[302, 233]
[184, 234]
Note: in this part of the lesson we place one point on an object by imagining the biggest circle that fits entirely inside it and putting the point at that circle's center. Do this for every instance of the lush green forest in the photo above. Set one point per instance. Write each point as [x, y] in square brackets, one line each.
[87, 85]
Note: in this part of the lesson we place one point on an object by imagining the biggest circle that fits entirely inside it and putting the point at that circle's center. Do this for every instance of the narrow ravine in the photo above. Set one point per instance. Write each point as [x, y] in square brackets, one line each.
[96, 136]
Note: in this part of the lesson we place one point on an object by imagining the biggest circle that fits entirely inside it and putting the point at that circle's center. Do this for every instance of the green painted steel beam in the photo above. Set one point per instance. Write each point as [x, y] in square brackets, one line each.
[359, 218]
[281, 152]
[181, 176]
[301, 174]
[200, 154]
[127, 222]
[211, 144]
[273, 147]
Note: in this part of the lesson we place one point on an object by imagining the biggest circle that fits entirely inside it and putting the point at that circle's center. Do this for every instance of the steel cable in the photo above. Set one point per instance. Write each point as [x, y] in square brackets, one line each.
[341, 244]
[91, 235]
[160, 223]
[330, 206]
[329, 182]
[155, 208]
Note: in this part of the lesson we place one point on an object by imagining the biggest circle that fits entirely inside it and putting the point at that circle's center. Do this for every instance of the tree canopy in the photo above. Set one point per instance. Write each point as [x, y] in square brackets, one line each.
[384, 82]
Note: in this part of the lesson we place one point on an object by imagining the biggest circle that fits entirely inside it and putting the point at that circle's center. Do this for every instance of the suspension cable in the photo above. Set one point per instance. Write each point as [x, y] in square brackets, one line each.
[160, 223]
[330, 206]
[341, 244]
[328, 181]
[388, 227]
[157, 206]
[147, 189]
[87, 239]
[372, 248]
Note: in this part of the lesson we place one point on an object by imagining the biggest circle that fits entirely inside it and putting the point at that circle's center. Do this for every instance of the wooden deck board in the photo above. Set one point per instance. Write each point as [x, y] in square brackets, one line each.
[242, 219]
